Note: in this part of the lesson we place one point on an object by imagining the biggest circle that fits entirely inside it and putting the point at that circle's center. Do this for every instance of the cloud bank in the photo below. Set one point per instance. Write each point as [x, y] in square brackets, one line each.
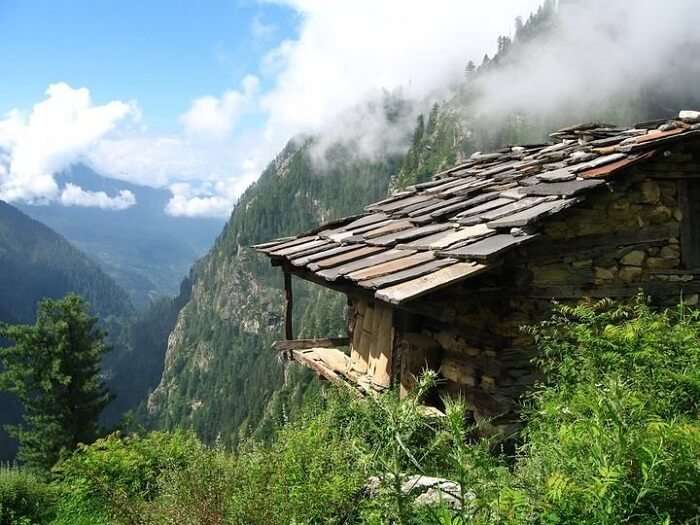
[58, 131]
[332, 78]
[598, 52]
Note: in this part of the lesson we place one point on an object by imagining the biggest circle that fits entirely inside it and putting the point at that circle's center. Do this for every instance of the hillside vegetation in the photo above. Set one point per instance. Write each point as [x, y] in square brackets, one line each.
[613, 437]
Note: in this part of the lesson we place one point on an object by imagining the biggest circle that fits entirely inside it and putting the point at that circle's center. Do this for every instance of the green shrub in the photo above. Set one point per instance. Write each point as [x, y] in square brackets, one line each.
[112, 479]
[25, 499]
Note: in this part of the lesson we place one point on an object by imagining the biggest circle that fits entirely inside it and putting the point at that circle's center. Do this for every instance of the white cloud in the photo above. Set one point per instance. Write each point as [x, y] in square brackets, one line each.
[56, 133]
[216, 117]
[205, 200]
[73, 195]
[600, 51]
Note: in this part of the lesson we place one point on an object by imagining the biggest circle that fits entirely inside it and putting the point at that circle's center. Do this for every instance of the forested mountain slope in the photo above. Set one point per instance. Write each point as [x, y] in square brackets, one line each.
[36, 262]
[220, 373]
[220, 376]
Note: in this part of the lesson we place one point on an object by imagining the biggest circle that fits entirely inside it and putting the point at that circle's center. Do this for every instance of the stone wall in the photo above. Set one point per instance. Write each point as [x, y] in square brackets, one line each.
[622, 238]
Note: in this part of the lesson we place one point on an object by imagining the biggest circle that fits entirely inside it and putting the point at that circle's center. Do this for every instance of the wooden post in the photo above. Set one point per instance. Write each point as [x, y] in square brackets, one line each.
[288, 331]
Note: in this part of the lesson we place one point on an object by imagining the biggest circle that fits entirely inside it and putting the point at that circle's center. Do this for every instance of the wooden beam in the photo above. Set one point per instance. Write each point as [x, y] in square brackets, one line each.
[288, 329]
[302, 344]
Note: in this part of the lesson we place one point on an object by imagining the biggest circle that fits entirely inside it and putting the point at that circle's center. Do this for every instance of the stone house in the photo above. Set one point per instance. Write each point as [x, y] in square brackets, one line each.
[444, 274]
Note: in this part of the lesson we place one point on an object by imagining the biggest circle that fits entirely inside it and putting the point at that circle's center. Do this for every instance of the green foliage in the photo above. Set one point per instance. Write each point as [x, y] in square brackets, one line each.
[54, 370]
[115, 477]
[25, 498]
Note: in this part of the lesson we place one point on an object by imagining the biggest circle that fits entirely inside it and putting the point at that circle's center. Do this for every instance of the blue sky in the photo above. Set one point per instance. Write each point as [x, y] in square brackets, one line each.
[161, 53]
[199, 97]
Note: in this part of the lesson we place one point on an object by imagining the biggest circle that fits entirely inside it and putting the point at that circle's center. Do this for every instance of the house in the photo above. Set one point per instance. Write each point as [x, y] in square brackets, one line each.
[444, 274]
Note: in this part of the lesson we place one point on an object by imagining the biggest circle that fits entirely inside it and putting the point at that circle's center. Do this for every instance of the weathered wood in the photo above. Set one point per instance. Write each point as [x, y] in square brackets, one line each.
[289, 244]
[533, 214]
[394, 226]
[289, 305]
[486, 206]
[386, 268]
[418, 353]
[348, 256]
[365, 221]
[407, 235]
[488, 248]
[335, 250]
[392, 198]
[406, 275]
[302, 344]
[428, 283]
[514, 207]
[381, 348]
[613, 167]
[565, 189]
[270, 244]
[689, 202]
[402, 203]
[331, 274]
[298, 248]
[311, 251]
[357, 313]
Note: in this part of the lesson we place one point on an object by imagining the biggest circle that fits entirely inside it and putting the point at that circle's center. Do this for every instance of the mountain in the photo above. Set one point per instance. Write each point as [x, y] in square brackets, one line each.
[220, 376]
[146, 251]
[37, 262]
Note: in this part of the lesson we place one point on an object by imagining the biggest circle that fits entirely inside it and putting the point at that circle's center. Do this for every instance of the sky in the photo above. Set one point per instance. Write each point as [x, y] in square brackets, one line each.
[198, 97]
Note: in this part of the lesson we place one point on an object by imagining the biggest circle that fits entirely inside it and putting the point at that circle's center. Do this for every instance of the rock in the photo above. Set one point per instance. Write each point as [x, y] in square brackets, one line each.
[634, 258]
[630, 273]
[691, 117]
[427, 490]
[662, 263]
[670, 252]
[678, 214]
[604, 274]
[691, 300]
[650, 192]
[660, 215]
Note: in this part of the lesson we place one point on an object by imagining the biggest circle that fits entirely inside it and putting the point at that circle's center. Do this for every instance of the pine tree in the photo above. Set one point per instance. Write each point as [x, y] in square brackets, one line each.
[54, 370]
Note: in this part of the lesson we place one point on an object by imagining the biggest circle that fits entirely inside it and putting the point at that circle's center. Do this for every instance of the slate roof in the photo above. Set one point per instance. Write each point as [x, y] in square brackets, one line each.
[457, 225]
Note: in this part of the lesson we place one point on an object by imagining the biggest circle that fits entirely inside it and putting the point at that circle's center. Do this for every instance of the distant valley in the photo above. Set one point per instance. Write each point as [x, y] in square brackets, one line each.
[146, 251]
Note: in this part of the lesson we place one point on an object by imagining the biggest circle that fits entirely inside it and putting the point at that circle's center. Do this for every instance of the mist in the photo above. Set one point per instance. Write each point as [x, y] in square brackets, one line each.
[600, 56]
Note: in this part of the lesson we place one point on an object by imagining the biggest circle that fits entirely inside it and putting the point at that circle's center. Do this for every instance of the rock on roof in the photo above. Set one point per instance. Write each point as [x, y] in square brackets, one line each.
[457, 225]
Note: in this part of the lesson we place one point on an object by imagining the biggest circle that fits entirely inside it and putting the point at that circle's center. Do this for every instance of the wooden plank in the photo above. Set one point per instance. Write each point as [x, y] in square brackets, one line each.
[316, 249]
[486, 206]
[394, 226]
[337, 250]
[429, 283]
[421, 205]
[533, 214]
[441, 203]
[358, 359]
[365, 221]
[689, 202]
[309, 360]
[301, 344]
[270, 244]
[514, 207]
[331, 274]
[366, 337]
[488, 248]
[463, 234]
[391, 198]
[407, 275]
[402, 203]
[396, 265]
[295, 242]
[348, 256]
[565, 189]
[407, 235]
[289, 306]
[382, 348]
[298, 248]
